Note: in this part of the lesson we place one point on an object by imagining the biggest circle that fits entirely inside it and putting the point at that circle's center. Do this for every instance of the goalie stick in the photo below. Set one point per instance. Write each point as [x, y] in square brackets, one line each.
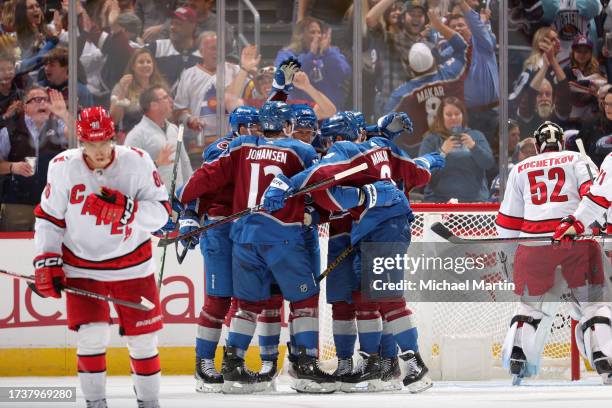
[343, 174]
[145, 304]
[448, 235]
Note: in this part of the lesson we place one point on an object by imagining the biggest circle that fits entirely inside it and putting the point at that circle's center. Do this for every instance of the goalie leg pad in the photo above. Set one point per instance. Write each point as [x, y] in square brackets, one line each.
[594, 336]
[210, 324]
[522, 334]
[92, 341]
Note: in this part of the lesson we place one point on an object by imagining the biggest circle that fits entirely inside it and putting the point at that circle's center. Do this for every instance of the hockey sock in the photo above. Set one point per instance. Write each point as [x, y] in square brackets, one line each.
[145, 366]
[269, 322]
[305, 321]
[243, 324]
[397, 316]
[210, 324]
[388, 346]
[91, 359]
[369, 324]
[344, 329]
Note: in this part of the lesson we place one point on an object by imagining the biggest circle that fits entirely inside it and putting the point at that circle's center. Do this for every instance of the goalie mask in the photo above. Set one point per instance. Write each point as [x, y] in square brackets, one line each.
[549, 137]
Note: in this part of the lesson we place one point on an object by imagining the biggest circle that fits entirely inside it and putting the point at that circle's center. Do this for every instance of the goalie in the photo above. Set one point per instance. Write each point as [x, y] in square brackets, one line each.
[593, 332]
[540, 191]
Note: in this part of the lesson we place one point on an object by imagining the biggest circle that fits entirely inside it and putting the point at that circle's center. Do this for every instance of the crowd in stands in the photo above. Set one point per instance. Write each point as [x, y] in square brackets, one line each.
[153, 65]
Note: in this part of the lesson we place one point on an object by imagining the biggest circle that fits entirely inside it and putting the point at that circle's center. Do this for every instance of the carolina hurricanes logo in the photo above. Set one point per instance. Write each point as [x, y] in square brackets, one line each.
[47, 190]
[95, 125]
[223, 145]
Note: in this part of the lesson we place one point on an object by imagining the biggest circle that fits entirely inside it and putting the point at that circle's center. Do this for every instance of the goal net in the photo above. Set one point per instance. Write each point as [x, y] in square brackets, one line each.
[463, 340]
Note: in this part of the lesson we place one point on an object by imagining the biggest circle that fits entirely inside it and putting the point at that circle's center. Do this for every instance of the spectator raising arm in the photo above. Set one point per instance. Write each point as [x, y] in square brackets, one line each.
[324, 107]
[376, 12]
[249, 61]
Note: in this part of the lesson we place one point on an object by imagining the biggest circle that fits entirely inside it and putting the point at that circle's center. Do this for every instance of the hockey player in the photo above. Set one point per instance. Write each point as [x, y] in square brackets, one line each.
[216, 248]
[372, 223]
[595, 344]
[266, 246]
[540, 191]
[93, 227]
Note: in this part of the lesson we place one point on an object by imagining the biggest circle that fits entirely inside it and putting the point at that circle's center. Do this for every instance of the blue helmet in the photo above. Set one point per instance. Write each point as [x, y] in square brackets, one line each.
[305, 116]
[341, 124]
[274, 115]
[358, 118]
[243, 116]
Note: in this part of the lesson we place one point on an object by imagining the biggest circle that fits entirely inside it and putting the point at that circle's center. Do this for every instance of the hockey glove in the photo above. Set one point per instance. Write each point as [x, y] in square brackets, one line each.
[567, 228]
[112, 206]
[283, 76]
[311, 216]
[380, 194]
[168, 228]
[49, 276]
[430, 161]
[280, 188]
[393, 124]
[188, 222]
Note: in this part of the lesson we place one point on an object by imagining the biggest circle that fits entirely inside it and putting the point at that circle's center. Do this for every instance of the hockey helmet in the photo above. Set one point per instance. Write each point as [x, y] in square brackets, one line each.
[549, 137]
[275, 115]
[94, 124]
[243, 116]
[305, 117]
[341, 124]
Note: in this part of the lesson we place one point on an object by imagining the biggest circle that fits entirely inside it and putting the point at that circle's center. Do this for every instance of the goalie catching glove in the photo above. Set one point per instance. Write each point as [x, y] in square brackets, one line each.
[49, 276]
[112, 206]
[568, 227]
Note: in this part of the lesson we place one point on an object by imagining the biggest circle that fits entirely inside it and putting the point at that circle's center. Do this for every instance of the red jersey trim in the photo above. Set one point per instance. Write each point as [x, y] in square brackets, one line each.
[167, 206]
[509, 222]
[40, 213]
[138, 256]
[528, 226]
[599, 200]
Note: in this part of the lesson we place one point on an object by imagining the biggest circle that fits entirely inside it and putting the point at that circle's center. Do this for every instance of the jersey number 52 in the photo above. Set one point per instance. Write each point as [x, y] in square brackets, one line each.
[538, 187]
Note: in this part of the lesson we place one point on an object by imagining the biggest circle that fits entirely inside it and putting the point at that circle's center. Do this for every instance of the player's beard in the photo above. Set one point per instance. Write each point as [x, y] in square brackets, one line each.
[545, 110]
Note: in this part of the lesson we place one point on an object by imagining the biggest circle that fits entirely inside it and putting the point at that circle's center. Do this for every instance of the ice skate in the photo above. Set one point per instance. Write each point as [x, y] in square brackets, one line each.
[391, 375]
[366, 377]
[237, 379]
[309, 378]
[208, 379]
[416, 379]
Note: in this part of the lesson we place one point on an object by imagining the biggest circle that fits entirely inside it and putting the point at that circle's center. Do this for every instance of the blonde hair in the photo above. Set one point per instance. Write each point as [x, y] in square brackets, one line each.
[592, 67]
[438, 124]
[157, 78]
[536, 55]
[297, 38]
[8, 14]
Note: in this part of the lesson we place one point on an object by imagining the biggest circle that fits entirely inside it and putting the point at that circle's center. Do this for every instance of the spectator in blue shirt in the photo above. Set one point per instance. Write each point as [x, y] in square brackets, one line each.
[326, 67]
[481, 90]
[468, 156]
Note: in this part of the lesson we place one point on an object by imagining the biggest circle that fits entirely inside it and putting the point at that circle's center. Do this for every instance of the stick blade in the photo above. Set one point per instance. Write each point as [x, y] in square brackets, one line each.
[164, 242]
[146, 303]
[441, 230]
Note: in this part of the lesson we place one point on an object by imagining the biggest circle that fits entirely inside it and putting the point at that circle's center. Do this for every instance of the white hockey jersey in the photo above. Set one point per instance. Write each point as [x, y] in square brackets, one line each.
[540, 191]
[90, 248]
[596, 203]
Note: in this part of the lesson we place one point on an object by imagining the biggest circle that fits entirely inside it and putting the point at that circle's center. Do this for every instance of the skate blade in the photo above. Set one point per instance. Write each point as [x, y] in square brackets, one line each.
[375, 385]
[392, 385]
[207, 388]
[268, 386]
[516, 380]
[311, 387]
[235, 387]
[607, 379]
[421, 385]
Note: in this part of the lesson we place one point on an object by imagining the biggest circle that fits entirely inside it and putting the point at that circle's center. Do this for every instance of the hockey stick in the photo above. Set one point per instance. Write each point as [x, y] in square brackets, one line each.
[145, 304]
[448, 235]
[584, 156]
[177, 154]
[335, 263]
[167, 241]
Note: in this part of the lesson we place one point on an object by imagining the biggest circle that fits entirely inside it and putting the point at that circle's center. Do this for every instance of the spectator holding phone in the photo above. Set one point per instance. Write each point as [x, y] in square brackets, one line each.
[468, 156]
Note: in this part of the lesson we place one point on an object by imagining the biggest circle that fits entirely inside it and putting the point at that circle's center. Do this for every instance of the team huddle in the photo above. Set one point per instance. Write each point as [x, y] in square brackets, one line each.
[103, 201]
